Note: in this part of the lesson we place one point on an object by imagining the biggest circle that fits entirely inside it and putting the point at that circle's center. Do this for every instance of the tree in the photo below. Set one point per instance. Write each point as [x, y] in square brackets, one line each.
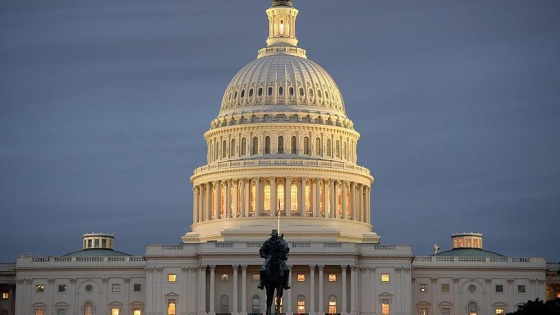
[538, 307]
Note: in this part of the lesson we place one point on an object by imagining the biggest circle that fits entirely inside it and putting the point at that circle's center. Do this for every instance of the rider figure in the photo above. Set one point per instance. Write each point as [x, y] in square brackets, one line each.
[275, 244]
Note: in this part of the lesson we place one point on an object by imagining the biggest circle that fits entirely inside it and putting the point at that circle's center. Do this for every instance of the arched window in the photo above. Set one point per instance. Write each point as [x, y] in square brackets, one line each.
[260, 91]
[310, 92]
[294, 145]
[216, 151]
[232, 148]
[337, 149]
[171, 307]
[256, 304]
[332, 304]
[291, 91]
[243, 146]
[280, 196]
[344, 150]
[300, 304]
[267, 145]
[329, 148]
[300, 91]
[250, 92]
[88, 308]
[255, 145]
[267, 197]
[293, 197]
[280, 91]
[318, 146]
[224, 304]
[472, 308]
[280, 145]
[306, 149]
[270, 91]
[243, 93]
[224, 149]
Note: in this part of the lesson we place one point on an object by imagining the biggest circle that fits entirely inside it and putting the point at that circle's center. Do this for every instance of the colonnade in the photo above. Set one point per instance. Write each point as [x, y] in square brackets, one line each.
[288, 196]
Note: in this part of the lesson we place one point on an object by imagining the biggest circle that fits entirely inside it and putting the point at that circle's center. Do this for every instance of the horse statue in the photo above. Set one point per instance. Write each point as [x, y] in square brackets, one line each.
[274, 273]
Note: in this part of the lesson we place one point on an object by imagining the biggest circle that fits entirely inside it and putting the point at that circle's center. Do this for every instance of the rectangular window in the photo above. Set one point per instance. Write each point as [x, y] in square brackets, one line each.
[255, 277]
[445, 288]
[332, 277]
[39, 311]
[171, 277]
[385, 307]
[5, 295]
[301, 277]
[423, 311]
[40, 288]
[61, 311]
[423, 288]
[385, 277]
[500, 311]
[137, 311]
[114, 311]
[137, 287]
[521, 288]
[116, 288]
[499, 288]
[224, 277]
[62, 288]
[445, 311]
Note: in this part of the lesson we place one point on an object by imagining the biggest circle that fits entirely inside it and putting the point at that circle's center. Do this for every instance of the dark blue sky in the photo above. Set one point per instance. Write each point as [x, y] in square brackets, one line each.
[103, 105]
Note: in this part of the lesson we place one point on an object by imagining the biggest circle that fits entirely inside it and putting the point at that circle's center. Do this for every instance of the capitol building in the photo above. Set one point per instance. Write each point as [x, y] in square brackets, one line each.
[281, 154]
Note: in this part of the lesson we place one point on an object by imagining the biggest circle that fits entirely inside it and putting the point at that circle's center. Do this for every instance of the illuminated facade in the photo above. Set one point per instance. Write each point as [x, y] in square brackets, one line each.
[281, 145]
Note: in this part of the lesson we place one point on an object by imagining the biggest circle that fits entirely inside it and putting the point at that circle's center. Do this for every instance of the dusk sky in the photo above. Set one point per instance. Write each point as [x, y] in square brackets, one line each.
[103, 106]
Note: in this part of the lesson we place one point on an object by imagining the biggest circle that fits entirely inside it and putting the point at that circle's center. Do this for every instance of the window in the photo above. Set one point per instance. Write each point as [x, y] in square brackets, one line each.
[385, 277]
[472, 288]
[294, 145]
[243, 146]
[301, 277]
[423, 311]
[300, 304]
[300, 91]
[62, 288]
[250, 92]
[232, 148]
[114, 311]
[88, 308]
[318, 146]
[40, 288]
[243, 93]
[280, 144]
[224, 304]
[255, 145]
[89, 288]
[280, 91]
[5, 295]
[267, 145]
[270, 91]
[291, 90]
[256, 304]
[332, 278]
[61, 311]
[385, 307]
[255, 277]
[423, 288]
[137, 287]
[500, 311]
[445, 287]
[137, 311]
[171, 306]
[499, 288]
[332, 304]
[39, 311]
[306, 149]
[96, 241]
[311, 92]
[260, 91]
[329, 148]
[472, 308]
[445, 311]
[116, 288]
[224, 277]
[171, 277]
[521, 288]
[224, 149]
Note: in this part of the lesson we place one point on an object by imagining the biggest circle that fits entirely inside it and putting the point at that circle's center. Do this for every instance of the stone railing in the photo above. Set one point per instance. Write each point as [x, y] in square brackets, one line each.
[429, 260]
[282, 162]
[129, 261]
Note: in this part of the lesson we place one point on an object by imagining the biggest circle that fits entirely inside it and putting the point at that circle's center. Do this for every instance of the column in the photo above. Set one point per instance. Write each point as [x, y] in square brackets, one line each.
[288, 196]
[353, 281]
[368, 204]
[273, 193]
[333, 198]
[200, 208]
[235, 309]
[321, 284]
[208, 210]
[288, 306]
[353, 207]
[316, 197]
[235, 198]
[244, 289]
[202, 289]
[312, 289]
[228, 198]
[246, 192]
[195, 205]
[302, 204]
[212, 288]
[216, 208]
[258, 198]
[325, 209]
[343, 307]
[362, 217]
[344, 207]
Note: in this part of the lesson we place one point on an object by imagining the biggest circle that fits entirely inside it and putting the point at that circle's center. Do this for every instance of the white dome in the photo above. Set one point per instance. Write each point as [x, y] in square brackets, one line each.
[282, 82]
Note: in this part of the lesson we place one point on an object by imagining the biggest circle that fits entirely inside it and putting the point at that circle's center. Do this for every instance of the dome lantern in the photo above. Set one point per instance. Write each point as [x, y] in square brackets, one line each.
[282, 24]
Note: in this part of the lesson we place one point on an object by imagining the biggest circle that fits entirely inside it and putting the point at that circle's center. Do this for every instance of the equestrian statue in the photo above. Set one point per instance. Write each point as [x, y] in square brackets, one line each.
[274, 273]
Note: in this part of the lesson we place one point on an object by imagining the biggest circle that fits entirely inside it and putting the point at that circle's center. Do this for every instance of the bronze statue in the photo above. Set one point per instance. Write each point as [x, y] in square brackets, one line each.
[274, 273]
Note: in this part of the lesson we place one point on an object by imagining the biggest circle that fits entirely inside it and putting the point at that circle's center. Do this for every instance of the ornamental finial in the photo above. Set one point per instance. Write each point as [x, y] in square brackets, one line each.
[286, 3]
